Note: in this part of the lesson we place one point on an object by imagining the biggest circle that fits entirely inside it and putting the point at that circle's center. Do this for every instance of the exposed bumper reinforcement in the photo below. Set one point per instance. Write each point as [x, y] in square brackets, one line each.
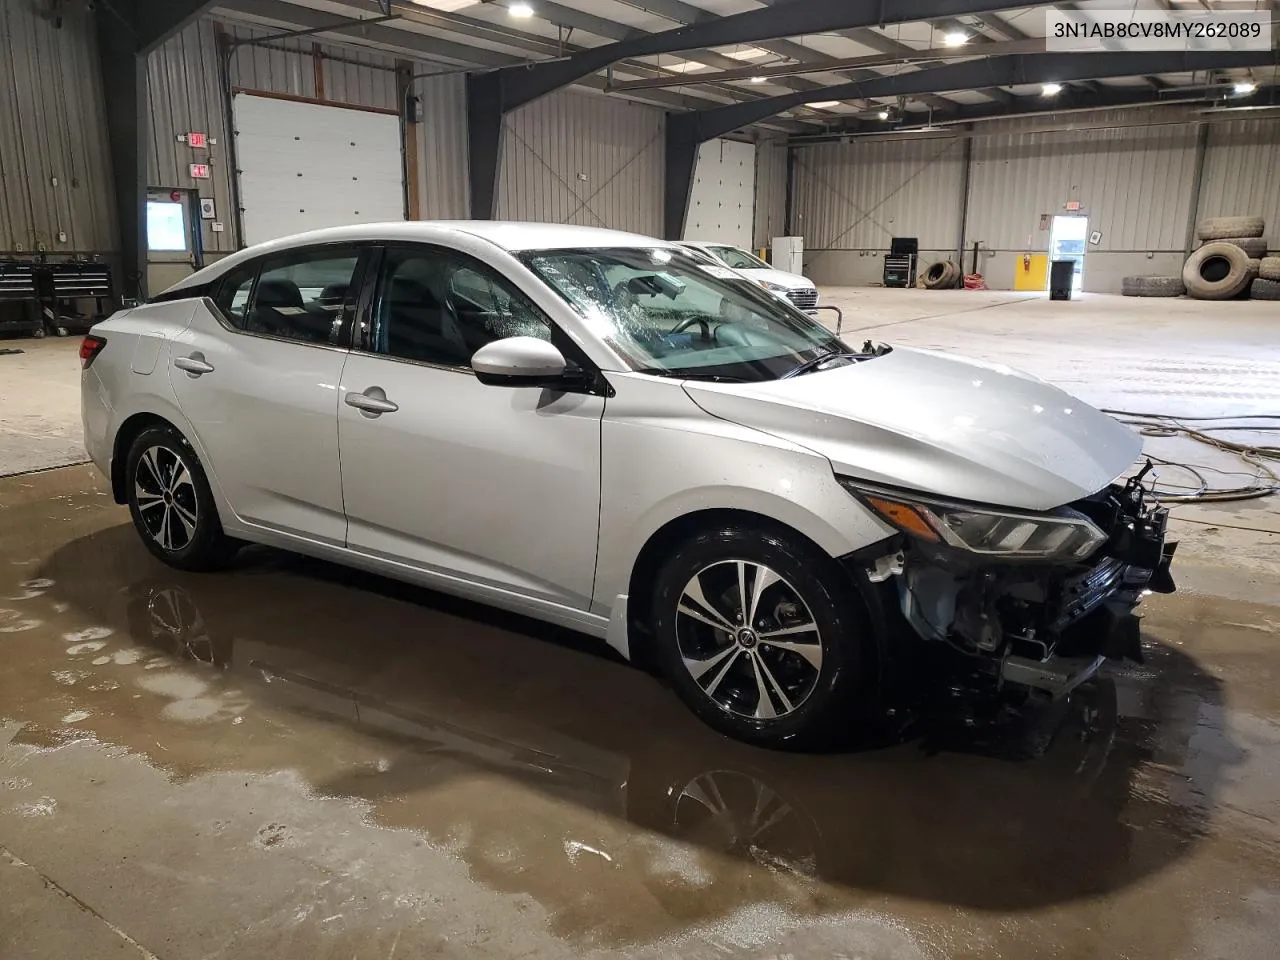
[1057, 675]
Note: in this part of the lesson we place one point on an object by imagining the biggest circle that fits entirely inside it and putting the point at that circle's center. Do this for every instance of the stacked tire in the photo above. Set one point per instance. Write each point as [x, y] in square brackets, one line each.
[1267, 286]
[1229, 262]
[942, 275]
[1152, 287]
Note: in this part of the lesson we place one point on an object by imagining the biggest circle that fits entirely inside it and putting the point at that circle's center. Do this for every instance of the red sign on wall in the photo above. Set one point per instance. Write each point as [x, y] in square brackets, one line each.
[199, 171]
[1072, 205]
[197, 140]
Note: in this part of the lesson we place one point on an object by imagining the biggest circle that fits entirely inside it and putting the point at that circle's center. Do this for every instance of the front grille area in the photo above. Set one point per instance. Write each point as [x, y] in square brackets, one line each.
[1085, 592]
[805, 299]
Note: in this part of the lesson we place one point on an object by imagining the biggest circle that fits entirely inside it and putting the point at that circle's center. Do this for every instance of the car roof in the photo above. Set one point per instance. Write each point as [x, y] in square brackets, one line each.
[512, 236]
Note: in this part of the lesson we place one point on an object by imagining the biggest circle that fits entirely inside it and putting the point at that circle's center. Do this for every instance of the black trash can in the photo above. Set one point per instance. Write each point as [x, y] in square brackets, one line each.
[1061, 275]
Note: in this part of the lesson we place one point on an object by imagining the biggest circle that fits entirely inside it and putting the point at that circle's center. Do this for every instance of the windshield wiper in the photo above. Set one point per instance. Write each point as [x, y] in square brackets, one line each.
[685, 375]
[822, 358]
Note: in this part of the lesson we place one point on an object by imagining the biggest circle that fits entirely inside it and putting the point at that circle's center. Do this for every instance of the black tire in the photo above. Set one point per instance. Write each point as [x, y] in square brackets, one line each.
[1252, 246]
[1152, 287]
[1262, 289]
[1217, 271]
[940, 276]
[1269, 268]
[827, 699]
[162, 500]
[1218, 228]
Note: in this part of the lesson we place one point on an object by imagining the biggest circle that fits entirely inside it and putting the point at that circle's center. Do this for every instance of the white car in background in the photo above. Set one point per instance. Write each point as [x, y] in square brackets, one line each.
[603, 431]
[790, 286]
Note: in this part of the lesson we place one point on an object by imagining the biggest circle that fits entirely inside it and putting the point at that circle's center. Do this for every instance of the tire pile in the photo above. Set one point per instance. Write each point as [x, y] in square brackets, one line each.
[942, 275]
[1230, 262]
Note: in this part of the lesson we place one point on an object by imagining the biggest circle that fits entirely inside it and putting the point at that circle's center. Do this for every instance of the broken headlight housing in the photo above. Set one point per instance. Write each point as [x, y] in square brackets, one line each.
[1064, 535]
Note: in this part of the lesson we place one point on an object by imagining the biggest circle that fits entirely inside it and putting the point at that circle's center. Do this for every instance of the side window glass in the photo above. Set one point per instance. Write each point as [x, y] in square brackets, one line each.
[304, 296]
[232, 297]
[440, 307]
[490, 309]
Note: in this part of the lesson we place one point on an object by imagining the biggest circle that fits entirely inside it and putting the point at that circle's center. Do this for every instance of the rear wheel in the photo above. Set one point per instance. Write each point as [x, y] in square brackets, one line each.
[171, 503]
[763, 637]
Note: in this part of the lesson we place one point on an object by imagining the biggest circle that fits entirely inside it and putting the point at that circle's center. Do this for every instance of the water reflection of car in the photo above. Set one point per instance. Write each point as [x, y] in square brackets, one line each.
[972, 821]
[789, 286]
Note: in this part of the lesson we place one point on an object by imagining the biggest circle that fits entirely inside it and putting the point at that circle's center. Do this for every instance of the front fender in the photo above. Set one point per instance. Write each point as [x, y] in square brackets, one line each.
[663, 459]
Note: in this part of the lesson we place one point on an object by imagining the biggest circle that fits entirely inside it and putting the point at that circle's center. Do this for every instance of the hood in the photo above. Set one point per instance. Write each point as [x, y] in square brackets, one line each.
[942, 425]
[791, 281]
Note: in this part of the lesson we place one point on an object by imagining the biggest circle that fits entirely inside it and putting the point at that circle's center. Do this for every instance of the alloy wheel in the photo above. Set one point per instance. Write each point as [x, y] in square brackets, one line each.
[748, 639]
[165, 493]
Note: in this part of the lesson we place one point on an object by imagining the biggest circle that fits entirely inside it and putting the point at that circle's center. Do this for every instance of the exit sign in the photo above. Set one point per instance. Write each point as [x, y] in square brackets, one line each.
[1073, 204]
[199, 171]
[197, 140]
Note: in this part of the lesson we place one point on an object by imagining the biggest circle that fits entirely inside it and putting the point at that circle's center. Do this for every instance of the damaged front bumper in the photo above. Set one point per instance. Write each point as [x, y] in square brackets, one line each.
[1041, 626]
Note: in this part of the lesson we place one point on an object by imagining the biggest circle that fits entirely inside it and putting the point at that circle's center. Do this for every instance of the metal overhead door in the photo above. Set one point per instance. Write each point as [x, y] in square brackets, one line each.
[722, 202]
[305, 165]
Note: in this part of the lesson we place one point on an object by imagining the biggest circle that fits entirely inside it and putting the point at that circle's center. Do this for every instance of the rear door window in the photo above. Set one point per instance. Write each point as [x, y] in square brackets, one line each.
[304, 295]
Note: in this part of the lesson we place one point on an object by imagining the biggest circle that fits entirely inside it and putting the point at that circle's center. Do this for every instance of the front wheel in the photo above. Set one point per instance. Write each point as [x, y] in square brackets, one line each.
[764, 637]
[171, 503]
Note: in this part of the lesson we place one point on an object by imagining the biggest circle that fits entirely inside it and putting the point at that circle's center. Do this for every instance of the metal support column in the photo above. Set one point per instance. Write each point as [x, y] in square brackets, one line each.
[681, 147]
[788, 228]
[409, 105]
[966, 160]
[1197, 179]
[484, 141]
[124, 84]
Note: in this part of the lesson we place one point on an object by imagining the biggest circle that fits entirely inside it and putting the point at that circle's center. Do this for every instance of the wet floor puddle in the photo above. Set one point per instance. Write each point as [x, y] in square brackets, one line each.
[559, 773]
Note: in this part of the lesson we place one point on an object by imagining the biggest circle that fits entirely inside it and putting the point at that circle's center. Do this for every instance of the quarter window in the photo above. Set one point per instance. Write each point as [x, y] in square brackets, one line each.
[304, 296]
[232, 297]
[439, 306]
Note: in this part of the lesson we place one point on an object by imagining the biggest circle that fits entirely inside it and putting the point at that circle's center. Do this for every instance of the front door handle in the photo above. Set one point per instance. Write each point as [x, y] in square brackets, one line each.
[372, 403]
[195, 365]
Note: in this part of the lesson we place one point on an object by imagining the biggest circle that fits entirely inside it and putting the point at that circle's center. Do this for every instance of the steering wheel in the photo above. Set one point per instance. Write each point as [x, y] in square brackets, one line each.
[687, 322]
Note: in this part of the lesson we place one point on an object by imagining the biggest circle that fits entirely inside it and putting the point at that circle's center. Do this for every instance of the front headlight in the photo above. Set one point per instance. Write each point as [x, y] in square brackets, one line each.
[1062, 534]
[773, 287]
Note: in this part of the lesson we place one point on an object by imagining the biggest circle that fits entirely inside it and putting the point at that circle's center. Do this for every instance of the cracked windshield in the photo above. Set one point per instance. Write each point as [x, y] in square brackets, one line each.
[672, 315]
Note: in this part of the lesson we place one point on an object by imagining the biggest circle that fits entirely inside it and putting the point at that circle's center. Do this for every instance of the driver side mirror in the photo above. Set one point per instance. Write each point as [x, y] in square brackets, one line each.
[519, 362]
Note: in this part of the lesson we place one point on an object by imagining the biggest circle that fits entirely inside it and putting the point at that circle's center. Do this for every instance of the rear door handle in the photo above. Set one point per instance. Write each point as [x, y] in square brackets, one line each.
[195, 365]
[372, 403]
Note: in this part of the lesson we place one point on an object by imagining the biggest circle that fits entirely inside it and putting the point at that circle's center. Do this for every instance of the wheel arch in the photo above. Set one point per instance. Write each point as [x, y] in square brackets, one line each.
[644, 569]
[130, 430]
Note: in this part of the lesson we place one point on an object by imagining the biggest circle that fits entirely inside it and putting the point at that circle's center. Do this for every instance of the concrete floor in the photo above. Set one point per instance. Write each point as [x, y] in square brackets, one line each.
[290, 759]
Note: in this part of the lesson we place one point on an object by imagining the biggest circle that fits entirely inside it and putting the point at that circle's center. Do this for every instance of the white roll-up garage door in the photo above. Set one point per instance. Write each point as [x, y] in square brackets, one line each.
[723, 199]
[306, 165]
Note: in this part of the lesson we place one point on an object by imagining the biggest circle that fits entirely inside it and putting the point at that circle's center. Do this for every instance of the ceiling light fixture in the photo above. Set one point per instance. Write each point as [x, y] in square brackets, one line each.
[955, 39]
[520, 10]
[822, 104]
[1244, 87]
[884, 114]
[1051, 89]
[757, 79]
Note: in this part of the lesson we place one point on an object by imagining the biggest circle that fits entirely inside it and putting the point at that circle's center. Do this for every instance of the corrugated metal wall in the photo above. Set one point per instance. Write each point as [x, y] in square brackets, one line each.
[579, 158]
[1134, 183]
[857, 195]
[1242, 173]
[442, 147]
[771, 190]
[55, 169]
[186, 95]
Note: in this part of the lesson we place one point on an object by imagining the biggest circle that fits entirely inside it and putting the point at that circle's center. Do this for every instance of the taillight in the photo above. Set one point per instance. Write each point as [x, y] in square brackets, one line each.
[90, 347]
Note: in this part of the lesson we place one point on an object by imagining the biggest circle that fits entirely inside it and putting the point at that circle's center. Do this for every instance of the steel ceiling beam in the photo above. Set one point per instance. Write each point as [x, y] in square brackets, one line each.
[796, 18]
[686, 131]
[1071, 100]
[1032, 45]
[1003, 71]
